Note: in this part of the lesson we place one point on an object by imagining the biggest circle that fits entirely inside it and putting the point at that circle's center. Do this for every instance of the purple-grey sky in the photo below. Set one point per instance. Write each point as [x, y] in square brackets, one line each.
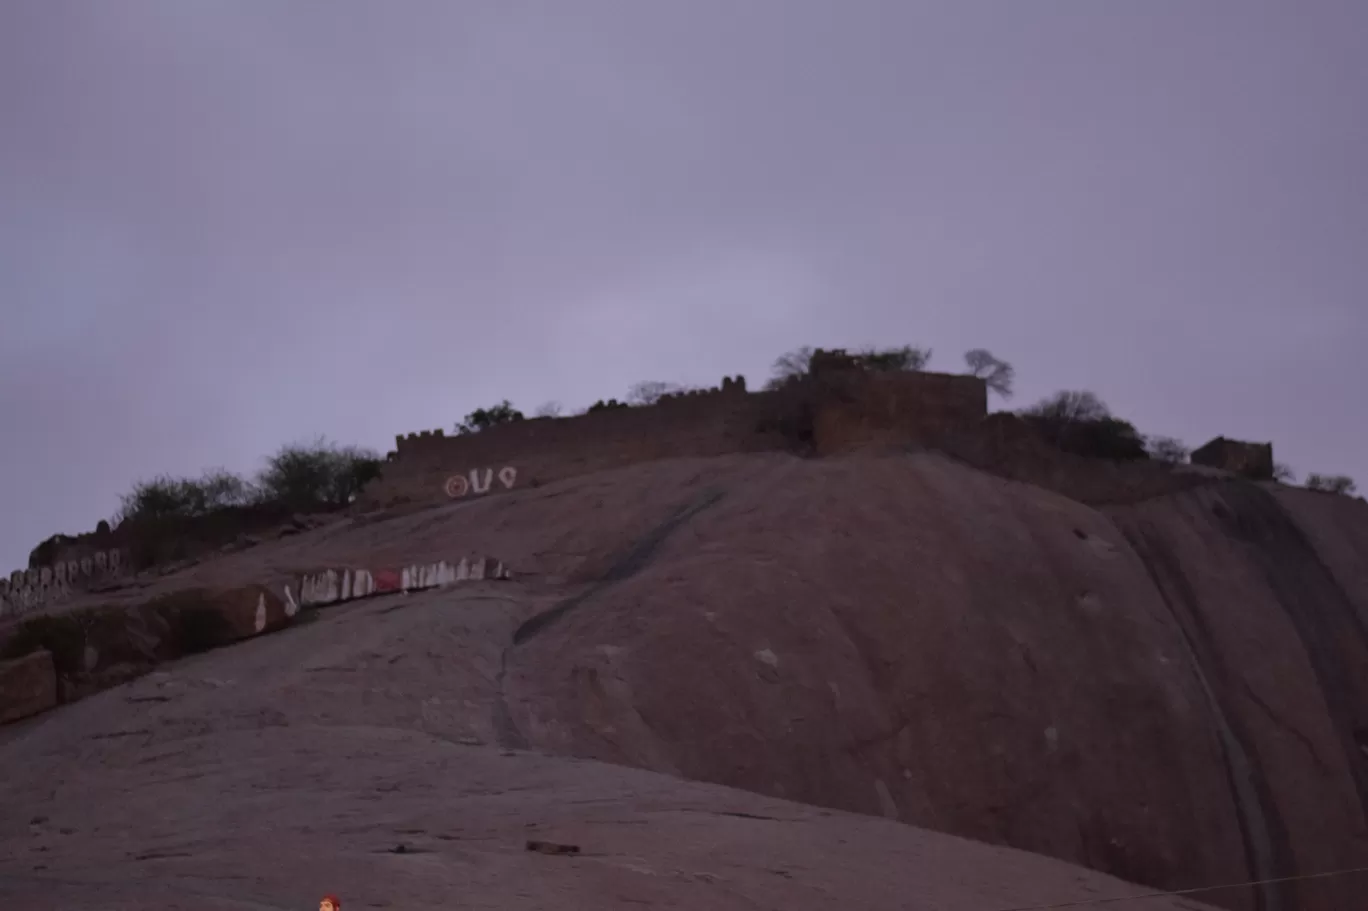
[231, 224]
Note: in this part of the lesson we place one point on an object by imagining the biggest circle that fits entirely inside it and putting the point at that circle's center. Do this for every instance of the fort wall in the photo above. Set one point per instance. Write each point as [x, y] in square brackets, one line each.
[838, 410]
[843, 410]
[1251, 460]
[897, 409]
[25, 590]
[64, 565]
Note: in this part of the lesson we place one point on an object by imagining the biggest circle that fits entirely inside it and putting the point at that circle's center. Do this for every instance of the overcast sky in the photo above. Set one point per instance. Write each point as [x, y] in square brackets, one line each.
[231, 224]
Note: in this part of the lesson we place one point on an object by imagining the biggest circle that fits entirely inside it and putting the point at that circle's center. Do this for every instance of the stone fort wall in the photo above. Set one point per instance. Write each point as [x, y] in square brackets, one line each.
[67, 565]
[840, 411]
[25, 590]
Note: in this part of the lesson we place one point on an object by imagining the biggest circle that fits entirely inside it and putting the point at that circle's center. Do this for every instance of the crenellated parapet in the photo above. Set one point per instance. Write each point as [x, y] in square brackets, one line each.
[864, 401]
[730, 387]
[25, 590]
[410, 443]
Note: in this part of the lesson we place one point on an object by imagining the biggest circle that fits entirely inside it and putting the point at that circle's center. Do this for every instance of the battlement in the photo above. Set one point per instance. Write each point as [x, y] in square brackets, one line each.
[842, 405]
[25, 590]
[870, 406]
[730, 386]
[402, 439]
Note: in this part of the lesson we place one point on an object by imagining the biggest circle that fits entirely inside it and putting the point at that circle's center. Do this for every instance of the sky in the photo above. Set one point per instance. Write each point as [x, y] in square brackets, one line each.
[228, 225]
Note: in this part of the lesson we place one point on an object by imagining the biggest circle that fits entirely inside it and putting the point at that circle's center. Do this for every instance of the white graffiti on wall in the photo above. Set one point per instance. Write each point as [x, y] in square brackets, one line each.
[27, 589]
[332, 585]
[459, 485]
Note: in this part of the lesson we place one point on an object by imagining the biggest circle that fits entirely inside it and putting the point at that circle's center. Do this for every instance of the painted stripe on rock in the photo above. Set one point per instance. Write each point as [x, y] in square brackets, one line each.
[331, 586]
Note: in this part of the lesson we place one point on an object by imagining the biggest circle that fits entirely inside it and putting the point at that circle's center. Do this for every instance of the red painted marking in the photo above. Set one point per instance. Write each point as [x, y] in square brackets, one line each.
[457, 486]
[386, 580]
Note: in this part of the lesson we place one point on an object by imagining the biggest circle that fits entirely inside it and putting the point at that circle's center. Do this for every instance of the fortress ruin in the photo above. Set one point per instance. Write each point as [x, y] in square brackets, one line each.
[839, 407]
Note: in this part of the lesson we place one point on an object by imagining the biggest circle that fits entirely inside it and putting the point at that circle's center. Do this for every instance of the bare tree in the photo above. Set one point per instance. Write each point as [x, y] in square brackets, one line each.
[1284, 474]
[790, 366]
[648, 392]
[997, 374]
[548, 410]
[1335, 483]
[1071, 405]
[798, 362]
[1167, 449]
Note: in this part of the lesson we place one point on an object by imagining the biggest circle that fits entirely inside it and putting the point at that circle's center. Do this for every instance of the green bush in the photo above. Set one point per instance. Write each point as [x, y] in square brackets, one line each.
[317, 476]
[1079, 423]
[166, 497]
[796, 365]
[485, 418]
[299, 478]
[1336, 483]
[1167, 449]
[894, 359]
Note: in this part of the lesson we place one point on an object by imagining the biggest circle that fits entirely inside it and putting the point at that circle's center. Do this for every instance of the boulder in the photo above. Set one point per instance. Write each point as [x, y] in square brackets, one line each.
[208, 618]
[28, 686]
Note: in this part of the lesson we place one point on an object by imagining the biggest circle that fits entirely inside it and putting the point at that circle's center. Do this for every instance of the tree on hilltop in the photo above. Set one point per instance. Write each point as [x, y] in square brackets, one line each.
[1167, 449]
[1080, 423]
[797, 363]
[996, 374]
[548, 410]
[1069, 405]
[318, 475]
[1283, 473]
[648, 392]
[906, 359]
[485, 418]
[792, 365]
[1335, 483]
[300, 477]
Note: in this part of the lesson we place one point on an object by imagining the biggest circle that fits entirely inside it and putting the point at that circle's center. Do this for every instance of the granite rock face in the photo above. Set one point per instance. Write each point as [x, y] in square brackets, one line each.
[360, 755]
[1169, 685]
[1168, 691]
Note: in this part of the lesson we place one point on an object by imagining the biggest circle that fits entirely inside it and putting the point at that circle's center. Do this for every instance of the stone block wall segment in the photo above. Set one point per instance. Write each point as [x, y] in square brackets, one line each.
[1250, 460]
[542, 450]
[103, 646]
[852, 408]
[30, 589]
[28, 686]
[897, 409]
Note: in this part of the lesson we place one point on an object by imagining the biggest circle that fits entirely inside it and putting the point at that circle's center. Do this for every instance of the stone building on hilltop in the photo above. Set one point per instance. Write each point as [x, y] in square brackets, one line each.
[1249, 460]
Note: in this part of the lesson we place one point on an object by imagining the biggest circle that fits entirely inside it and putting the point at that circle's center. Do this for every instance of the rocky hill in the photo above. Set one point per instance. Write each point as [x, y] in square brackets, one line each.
[1165, 681]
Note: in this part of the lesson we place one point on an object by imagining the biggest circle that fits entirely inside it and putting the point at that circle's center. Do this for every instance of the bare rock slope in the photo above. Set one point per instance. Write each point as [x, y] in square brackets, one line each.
[358, 754]
[1172, 692]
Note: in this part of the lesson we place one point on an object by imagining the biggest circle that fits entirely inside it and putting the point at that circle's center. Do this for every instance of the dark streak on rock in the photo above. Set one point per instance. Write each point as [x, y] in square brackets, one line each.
[1267, 849]
[635, 559]
[1322, 614]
